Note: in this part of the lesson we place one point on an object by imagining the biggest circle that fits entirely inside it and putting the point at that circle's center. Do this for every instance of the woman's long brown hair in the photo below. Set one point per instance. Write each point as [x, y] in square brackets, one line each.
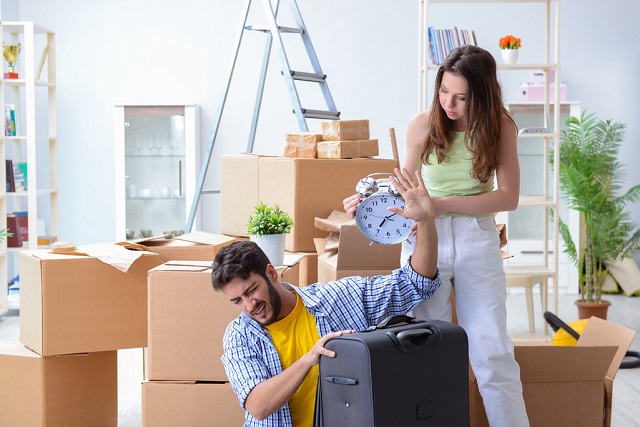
[484, 109]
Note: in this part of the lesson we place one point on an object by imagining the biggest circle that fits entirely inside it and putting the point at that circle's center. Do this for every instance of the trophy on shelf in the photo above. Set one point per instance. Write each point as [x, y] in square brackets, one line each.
[11, 52]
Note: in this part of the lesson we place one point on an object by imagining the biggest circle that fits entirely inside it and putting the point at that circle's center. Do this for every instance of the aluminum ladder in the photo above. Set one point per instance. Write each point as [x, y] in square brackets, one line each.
[273, 32]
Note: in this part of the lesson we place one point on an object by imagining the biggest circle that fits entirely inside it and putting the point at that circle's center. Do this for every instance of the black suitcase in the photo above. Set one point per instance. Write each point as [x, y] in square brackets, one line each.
[403, 375]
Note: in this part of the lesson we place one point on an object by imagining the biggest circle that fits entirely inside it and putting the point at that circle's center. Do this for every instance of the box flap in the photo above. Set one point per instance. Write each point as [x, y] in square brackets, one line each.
[183, 266]
[291, 259]
[319, 243]
[205, 238]
[600, 332]
[151, 239]
[554, 363]
[335, 220]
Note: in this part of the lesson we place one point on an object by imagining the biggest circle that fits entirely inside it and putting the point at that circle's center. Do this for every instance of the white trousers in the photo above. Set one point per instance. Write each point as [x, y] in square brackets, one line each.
[469, 260]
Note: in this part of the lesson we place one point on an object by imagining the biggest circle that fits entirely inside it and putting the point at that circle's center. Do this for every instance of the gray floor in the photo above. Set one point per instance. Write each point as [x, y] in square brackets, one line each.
[626, 411]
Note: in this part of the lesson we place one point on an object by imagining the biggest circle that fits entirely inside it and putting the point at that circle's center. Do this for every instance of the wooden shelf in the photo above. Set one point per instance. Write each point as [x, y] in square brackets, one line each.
[30, 104]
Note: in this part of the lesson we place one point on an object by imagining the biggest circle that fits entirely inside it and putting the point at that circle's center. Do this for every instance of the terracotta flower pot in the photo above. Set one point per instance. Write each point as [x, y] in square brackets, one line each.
[588, 309]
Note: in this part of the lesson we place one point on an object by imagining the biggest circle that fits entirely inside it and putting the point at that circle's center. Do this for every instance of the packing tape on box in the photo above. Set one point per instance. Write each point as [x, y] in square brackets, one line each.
[331, 131]
[332, 149]
[301, 145]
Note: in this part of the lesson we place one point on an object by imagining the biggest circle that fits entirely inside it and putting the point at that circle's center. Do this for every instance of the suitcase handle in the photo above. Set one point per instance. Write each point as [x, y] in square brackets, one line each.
[394, 320]
[404, 340]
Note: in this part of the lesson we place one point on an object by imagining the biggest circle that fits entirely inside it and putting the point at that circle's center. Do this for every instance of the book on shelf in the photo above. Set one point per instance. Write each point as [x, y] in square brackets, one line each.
[15, 240]
[20, 176]
[45, 51]
[11, 184]
[442, 41]
[23, 225]
[9, 120]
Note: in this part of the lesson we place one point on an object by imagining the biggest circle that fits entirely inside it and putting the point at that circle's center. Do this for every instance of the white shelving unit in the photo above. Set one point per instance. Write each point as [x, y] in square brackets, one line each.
[156, 154]
[547, 264]
[35, 142]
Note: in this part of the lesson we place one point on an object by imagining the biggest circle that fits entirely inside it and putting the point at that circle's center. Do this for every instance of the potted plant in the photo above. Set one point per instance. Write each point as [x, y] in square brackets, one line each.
[591, 179]
[509, 46]
[268, 227]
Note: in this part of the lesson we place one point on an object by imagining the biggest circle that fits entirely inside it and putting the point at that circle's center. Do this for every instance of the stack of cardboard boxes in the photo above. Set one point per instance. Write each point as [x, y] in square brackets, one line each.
[306, 188]
[185, 380]
[340, 139]
[75, 312]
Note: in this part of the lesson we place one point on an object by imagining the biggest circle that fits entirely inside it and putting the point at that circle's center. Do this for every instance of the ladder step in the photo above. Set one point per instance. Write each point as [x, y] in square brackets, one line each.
[266, 29]
[319, 114]
[308, 77]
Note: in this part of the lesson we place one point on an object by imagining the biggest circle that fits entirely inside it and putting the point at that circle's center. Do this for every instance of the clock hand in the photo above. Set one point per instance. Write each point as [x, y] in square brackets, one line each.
[388, 217]
[383, 220]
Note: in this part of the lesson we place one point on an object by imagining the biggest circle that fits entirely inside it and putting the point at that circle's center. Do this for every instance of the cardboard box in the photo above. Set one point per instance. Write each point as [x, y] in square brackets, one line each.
[341, 130]
[347, 149]
[290, 270]
[187, 320]
[195, 246]
[567, 386]
[347, 252]
[239, 192]
[79, 304]
[309, 188]
[534, 92]
[57, 391]
[305, 188]
[170, 404]
[308, 268]
[301, 145]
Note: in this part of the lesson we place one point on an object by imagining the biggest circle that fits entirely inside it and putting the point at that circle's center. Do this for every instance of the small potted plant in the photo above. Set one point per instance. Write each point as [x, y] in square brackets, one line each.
[591, 178]
[509, 45]
[268, 227]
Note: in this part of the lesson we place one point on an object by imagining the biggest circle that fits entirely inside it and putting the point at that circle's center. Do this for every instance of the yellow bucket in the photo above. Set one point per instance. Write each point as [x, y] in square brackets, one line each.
[563, 338]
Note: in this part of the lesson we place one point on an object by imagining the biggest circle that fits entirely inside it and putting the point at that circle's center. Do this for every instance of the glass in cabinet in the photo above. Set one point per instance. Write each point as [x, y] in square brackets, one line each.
[156, 150]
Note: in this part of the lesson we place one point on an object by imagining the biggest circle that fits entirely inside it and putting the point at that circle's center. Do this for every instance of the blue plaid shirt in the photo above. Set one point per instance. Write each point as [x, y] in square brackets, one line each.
[350, 303]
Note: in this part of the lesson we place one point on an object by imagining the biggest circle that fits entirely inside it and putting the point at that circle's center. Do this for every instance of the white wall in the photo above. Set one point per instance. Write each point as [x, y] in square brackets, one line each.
[145, 51]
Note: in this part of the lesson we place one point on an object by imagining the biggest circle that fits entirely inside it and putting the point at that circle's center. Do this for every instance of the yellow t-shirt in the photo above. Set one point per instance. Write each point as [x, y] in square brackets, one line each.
[293, 337]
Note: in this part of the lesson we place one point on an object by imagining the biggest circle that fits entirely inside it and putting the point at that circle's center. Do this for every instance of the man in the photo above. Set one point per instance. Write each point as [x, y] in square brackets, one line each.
[271, 351]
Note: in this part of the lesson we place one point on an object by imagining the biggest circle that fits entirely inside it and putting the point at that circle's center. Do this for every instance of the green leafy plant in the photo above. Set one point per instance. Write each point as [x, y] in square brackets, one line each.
[591, 178]
[4, 233]
[269, 220]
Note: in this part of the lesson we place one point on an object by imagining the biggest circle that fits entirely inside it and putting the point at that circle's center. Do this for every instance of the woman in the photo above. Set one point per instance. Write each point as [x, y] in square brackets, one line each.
[460, 144]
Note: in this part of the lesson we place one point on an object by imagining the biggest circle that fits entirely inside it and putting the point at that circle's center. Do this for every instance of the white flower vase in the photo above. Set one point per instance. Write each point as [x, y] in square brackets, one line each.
[273, 247]
[510, 56]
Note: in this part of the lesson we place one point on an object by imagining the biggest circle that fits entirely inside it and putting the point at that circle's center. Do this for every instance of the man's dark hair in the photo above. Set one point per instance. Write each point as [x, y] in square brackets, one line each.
[238, 259]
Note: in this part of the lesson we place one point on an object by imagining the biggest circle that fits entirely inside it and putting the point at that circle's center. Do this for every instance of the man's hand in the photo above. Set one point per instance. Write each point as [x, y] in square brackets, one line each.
[313, 356]
[419, 207]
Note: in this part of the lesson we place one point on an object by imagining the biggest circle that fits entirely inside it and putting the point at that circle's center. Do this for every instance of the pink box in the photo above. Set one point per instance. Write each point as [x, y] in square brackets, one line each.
[537, 76]
[534, 92]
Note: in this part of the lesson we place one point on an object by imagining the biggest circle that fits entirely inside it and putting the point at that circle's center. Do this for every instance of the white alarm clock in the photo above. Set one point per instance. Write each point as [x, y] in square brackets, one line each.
[374, 220]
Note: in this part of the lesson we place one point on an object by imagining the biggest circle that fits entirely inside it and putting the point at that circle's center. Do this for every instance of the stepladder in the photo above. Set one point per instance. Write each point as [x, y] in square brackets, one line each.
[274, 33]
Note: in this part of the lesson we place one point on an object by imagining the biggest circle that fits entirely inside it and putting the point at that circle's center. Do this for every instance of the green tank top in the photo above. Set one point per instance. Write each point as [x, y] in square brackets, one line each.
[453, 176]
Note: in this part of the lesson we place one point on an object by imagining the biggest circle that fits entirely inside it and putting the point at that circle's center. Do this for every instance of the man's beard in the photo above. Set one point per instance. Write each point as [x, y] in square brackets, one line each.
[275, 301]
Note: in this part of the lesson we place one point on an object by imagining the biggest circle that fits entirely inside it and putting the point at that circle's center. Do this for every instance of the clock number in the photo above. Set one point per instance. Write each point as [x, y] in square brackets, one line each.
[369, 209]
[397, 231]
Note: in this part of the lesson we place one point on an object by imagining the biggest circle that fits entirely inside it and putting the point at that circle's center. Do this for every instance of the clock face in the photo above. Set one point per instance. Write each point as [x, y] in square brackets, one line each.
[380, 225]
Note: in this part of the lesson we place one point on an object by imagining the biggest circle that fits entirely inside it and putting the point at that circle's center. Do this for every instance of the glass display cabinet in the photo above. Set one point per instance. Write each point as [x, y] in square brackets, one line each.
[156, 169]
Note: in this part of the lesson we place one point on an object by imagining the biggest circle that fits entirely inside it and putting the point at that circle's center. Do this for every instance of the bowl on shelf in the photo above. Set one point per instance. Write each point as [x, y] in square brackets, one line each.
[130, 233]
[145, 232]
